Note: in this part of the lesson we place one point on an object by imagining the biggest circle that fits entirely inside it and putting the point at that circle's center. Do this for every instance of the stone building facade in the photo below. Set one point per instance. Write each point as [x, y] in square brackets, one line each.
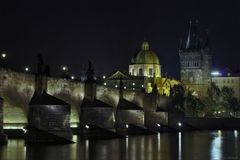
[227, 79]
[144, 72]
[195, 61]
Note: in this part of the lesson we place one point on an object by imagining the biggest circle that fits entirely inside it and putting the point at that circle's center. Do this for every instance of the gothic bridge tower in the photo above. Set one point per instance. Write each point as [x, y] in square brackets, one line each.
[195, 61]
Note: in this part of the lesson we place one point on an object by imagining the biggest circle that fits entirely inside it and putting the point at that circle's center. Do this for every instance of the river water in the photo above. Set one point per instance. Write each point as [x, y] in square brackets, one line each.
[212, 145]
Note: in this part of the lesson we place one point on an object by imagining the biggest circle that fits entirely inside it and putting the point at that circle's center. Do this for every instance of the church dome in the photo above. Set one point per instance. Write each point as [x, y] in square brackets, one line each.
[145, 56]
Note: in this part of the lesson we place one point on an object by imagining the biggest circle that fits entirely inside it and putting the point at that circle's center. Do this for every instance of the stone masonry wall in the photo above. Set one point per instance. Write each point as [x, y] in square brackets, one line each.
[17, 89]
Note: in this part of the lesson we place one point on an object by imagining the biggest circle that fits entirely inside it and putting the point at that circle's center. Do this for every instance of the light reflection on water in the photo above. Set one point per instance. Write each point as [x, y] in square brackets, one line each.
[214, 145]
[179, 146]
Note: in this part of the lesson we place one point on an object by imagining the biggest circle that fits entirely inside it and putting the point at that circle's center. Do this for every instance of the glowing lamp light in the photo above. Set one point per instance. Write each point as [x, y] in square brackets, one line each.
[142, 86]
[116, 86]
[127, 126]
[4, 55]
[179, 124]
[27, 69]
[104, 84]
[103, 77]
[133, 84]
[159, 125]
[133, 88]
[215, 73]
[125, 87]
[24, 130]
[64, 68]
[235, 133]
[72, 77]
[87, 126]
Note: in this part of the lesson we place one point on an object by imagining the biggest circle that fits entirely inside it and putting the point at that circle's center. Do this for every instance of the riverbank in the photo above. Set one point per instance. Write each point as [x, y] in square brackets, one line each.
[213, 123]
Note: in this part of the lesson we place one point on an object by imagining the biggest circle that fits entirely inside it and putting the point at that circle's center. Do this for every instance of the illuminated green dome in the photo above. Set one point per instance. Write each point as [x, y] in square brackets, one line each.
[145, 56]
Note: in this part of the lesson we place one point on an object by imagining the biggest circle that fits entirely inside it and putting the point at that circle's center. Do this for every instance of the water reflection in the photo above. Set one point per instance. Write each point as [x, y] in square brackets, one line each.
[180, 146]
[216, 147]
[236, 144]
[165, 146]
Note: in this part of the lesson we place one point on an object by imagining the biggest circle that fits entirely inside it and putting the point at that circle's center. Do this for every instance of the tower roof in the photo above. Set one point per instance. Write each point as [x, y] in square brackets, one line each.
[193, 40]
[145, 55]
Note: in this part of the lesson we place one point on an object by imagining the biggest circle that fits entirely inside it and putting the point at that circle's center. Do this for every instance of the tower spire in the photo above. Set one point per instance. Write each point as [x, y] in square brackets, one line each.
[192, 39]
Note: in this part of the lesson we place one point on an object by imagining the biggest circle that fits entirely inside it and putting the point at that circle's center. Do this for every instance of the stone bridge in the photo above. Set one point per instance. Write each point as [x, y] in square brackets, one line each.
[17, 89]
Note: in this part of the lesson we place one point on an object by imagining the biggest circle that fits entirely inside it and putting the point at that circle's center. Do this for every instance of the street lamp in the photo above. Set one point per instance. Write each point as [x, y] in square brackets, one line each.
[179, 124]
[64, 68]
[3, 55]
[72, 77]
[26, 69]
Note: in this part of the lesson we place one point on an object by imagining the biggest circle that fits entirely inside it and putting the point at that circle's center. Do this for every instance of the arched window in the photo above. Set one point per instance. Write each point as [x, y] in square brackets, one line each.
[140, 72]
[150, 71]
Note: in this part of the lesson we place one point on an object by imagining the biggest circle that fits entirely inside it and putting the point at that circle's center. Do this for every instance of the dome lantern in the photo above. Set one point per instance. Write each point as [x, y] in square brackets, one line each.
[145, 46]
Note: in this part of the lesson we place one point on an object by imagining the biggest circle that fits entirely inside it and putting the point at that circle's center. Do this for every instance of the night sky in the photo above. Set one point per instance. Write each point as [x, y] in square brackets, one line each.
[109, 33]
